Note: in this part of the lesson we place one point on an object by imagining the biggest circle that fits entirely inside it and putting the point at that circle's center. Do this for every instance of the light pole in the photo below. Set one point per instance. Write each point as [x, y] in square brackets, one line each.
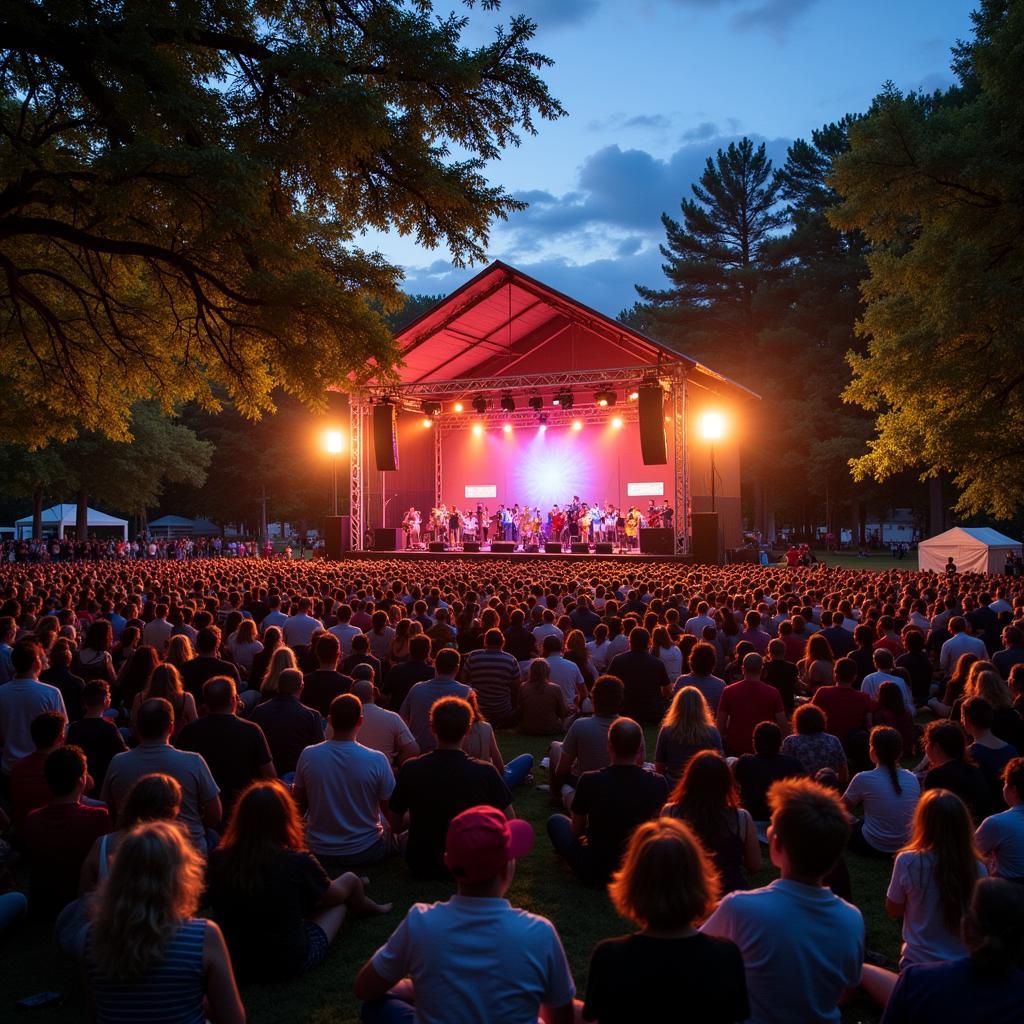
[712, 429]
[334, 443]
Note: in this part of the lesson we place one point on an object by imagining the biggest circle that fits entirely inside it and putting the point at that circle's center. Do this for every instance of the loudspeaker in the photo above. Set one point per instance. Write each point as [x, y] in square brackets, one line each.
[656, 542]
[579, 548]
[471, 545]
[386, 538]
[337, 535]
[706, 546]
[603, 549]
[437, 545]
[651, 410]
[385, 437]
[503, 547]
[532, 548]
[553, 547]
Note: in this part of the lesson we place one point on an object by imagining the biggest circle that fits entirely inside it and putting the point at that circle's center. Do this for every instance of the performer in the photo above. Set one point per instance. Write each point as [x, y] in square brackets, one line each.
[557, 523]
[653, 515]
[572, 517]
[455, 526]
[411, 524]
[584, 523]
[483, 519]
[470, 527]
[666, 515]
[523, 524]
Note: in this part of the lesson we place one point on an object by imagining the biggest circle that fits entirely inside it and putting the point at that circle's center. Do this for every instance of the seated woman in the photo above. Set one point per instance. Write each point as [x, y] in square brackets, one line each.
[892, 711]
[988, 751]
[888, 794]
[687, 728]
[812, 746]
[147, 957]
[950, 767]
[165, 681]
[706, 799]
[279, 909]
[542, 703]
[666, 885]
[481, 744]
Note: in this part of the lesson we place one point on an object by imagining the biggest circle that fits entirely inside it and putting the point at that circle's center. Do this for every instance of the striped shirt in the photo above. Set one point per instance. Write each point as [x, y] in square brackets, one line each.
[495, 676]
[170, 993]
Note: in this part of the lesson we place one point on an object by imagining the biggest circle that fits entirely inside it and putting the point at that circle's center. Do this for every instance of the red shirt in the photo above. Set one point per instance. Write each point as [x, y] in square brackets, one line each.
[796, 646]
[893, 644]
[28, 786]
[845, 709]
[747, 703]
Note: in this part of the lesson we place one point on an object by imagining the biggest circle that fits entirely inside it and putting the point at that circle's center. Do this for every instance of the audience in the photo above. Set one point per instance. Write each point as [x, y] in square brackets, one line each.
[288, 725]
[756, 773]
[95, 733]
[416, 708]
[1000, 837]
[542, 706]
[949, 767]
[745, 703]
[687, 728]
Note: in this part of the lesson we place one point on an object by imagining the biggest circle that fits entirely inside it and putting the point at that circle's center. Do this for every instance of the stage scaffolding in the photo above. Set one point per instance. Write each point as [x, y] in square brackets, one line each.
[670, 375]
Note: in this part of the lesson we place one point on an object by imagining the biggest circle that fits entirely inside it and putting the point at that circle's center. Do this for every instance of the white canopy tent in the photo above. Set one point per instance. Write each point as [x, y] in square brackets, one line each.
[60, 518]
[972, 548]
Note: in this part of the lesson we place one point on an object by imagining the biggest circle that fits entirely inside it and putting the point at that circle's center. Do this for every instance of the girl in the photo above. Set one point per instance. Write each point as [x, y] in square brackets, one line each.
[165, 682]
[481, 744]
[687, 728]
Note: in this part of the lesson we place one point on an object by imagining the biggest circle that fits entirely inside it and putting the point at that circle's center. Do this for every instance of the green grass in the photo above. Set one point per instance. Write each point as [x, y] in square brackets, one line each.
[543, 885]
[875, 560]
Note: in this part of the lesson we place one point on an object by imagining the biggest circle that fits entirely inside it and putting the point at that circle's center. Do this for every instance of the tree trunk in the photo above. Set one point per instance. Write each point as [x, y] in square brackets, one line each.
[37, 513]
[936, 506]
[82, 516]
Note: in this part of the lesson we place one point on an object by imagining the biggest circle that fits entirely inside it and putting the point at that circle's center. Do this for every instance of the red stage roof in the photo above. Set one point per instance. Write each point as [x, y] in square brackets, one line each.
[505, 323]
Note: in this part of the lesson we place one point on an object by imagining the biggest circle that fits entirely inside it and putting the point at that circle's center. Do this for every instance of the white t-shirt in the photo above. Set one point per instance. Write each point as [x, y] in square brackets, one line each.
[802, 948]
[547, 629]
[299, 629]
[873, 683]
[887, 814]
[1001, 838]
[672, 658]
[926, 940]
[20, 701]
[474, 959]
[345, 631]
[343, 783]
[695, 626]
[957, 644]
[383, 730]
[598, 654]
[567, 675]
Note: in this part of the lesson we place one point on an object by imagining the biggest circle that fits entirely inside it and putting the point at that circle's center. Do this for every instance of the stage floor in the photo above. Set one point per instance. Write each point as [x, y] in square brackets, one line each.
[541, 556]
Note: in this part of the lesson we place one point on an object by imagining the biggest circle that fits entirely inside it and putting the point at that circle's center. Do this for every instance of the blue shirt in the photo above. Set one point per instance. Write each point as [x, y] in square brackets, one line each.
[418, 702]
[955, 991]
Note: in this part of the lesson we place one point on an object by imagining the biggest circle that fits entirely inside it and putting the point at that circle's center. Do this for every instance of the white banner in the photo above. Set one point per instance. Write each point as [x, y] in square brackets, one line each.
[646, 490]
[483, 490]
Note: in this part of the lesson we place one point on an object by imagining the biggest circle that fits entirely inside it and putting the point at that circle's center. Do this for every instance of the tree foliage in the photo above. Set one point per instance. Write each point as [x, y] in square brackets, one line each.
[935, 184]
[183, 188]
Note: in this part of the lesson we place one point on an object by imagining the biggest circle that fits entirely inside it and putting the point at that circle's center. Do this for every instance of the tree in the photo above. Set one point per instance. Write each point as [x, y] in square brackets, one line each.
[182, 188]
[935, 184]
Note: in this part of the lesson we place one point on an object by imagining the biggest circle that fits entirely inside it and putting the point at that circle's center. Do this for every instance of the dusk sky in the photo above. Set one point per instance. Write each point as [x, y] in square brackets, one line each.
[652, 87]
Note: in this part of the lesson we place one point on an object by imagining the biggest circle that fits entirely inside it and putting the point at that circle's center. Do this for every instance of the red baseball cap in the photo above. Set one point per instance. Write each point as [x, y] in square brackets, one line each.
[481, 841]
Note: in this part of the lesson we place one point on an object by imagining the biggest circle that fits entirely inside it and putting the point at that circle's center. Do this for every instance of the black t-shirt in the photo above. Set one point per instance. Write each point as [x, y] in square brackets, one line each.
[919, 667]
[434, 788]
[101, 740]
[235, 750]
[519, 642]
[319, 688]
[289, 727]
[756, 774]
[698, 979]
[70, 687]
[643, 677]
[265, 926]
[783, 676]
[200, 669]
[615, 800]
[967, 781]
[402, 678]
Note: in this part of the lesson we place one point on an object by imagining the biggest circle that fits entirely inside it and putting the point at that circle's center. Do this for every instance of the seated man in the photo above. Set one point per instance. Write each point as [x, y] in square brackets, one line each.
[416, 708]
[519, 973]
[496, 677]
[323, 685]
[29, 788]
[607, 806]
[96, 734]
[382, 730]
[345, 786]
[59, 836]
[435, 787]
[360, 656]
[287, 723]
[803, 947]
[646, 681]
[401, 678]
[756, 773]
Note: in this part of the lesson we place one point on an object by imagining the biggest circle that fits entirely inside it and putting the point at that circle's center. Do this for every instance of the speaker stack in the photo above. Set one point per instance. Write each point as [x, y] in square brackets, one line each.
[553, 547]
[656, 542]
[707, 549]
[651, 411]
[337, 535]
[471, 545]
[385, 436]
[386, 538]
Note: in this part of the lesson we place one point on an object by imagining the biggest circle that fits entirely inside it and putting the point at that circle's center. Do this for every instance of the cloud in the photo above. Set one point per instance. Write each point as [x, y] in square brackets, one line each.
[937, 81]
[705, 130]
[659, 121]
[775, 16]
[553, 13]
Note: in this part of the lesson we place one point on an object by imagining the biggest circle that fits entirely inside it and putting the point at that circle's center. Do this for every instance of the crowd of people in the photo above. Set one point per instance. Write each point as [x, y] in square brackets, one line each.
[203, 763]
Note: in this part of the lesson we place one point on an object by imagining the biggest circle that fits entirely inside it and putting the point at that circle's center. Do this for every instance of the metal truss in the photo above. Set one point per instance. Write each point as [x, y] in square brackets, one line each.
[438, 468]
[357, 515]
[680, 475]
[495, 418]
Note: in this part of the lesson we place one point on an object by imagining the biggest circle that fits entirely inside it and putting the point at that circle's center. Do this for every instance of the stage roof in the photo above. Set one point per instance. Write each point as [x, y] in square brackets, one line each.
[504, 323]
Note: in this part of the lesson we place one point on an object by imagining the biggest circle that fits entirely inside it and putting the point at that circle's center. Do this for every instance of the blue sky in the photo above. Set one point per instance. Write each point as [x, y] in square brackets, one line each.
[653, 87]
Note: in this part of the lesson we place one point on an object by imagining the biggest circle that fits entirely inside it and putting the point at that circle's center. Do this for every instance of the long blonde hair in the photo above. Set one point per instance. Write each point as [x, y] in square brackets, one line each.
[179, 650]
[155, 883]
[165, 681]
[988, 683]
[281, 659]
[688, 719]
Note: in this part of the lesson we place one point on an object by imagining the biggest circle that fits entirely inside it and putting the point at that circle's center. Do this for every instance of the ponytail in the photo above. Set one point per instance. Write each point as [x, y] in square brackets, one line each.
[887, 746]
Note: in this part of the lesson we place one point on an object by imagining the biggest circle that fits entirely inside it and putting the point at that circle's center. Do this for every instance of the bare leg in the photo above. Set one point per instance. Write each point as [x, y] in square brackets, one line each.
[878, 983]
[349, 890]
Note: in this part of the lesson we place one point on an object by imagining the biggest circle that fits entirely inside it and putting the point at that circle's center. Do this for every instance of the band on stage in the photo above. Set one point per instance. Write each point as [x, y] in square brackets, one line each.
[526, 527]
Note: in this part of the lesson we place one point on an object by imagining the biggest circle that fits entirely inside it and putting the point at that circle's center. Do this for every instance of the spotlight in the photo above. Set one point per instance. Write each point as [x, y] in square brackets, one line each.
[507, 428]
[508, 403]
[543, 428]
[431, 408]
[577, 424]
[543, 419]
[536, 403]
[605, 398]
[617, 422]
[477, 429]
[564, 399]
[457, 407]
[427, 421]
[480, 405]
[712, 426]
[634, 395]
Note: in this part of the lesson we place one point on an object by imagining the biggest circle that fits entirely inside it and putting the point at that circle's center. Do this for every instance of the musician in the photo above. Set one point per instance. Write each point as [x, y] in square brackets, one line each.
[505, 515]
[411, 524]
[557, 523]
[455, 526]
[666, 515]
[523, 522]
[653, 515]
[585, 521]
[632, 526]
[470, 526]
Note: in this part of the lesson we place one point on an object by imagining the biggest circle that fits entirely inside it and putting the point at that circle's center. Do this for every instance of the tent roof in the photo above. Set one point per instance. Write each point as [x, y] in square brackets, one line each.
[171, 521]
[973, 534]
[67, 514]
[505, 323]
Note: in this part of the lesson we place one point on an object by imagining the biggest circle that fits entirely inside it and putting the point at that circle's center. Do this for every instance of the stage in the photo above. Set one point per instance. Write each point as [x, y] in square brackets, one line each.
[516, 556]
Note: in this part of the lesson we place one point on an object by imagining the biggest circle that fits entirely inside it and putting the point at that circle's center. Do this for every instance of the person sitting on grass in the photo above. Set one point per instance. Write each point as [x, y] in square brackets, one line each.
[802, 946]
[813, 747]
[756, 773]
[279, 909]
[542, 706]
[481, 744]
[96, 734]
[950, 767]
[688, 727]
[667, 883]
[473, 957]
[988, 751]
[1000, 837]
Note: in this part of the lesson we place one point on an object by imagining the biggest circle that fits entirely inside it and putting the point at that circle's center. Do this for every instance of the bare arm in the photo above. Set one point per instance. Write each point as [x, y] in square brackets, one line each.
[495, 754]
[407, 750]
[369, 984]
[751, 844]
[579, 824]
[213, 811]
[558, 1014]
[225, 1004]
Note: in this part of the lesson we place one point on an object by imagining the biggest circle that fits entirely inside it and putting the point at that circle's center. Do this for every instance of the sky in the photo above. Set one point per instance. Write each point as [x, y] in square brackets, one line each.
[654, 87]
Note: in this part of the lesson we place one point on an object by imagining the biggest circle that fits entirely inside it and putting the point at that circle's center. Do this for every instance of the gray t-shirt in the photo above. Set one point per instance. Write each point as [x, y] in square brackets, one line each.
[710, 686]
[418, 702]
[586, 743]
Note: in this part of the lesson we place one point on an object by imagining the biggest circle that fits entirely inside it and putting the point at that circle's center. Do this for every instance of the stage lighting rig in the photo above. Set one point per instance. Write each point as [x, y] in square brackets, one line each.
[605, 399]
[536, 403]
[508, 403]
[563, 400]
[480, 405]
[431, 409]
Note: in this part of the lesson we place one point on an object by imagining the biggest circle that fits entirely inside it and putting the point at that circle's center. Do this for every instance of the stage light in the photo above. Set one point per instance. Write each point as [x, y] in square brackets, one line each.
[457, 407]
[334, 442]
[508, 403]
[480, 404]
[431, 408]
[427, 421]
[617, 422]
[605, 399]
[477, 429]
[634, 395]
[577, 424]
[507, 428]
[712, 426]
[536, 403]
[543, 419]
[564, 399]
[543, 428]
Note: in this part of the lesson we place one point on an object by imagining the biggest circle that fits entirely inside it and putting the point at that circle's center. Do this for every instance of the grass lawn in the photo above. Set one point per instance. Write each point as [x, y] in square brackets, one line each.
[875, 560]
[543, 885]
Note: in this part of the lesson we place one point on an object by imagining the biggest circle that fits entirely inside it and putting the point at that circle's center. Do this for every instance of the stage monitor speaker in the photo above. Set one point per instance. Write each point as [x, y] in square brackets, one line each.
[385, 437]
[471, 545]
[602, 548]
[337, 535]
[553, 547]
[437, 545]
[707, 549]
[531, 549]
[656, 542]
[387, 538]
[651, 410]
[503, 547]
[579, 548]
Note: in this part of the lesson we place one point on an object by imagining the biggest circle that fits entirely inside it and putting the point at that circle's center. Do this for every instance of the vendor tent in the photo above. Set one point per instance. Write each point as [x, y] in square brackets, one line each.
[60, 518]
[972, 548]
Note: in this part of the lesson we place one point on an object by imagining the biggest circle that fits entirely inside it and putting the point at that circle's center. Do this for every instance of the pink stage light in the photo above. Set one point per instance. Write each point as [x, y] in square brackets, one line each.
[577, 424]
[507, 428]
[477, 429]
